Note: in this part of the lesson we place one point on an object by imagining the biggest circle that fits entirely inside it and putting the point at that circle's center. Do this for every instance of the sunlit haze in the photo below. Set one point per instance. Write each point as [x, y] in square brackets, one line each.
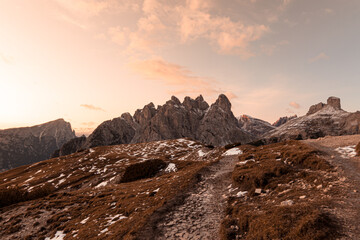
[88, 61]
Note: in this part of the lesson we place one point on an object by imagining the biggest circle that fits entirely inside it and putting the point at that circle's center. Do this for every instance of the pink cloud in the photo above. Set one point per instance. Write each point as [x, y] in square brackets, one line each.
[319, 57]
[179, 78]
[91, 107]
[294, 105]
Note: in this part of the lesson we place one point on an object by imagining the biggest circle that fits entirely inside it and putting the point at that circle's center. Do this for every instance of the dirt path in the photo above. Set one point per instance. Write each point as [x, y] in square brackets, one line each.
[347, 205]
[200, 215]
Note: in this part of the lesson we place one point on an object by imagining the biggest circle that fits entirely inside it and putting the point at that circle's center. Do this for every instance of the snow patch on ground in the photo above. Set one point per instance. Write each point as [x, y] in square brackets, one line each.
[103, 184]
[347, 152]
[201, 153]
[85, 220]
[59, 235]
[171, 168]
[245, 162]
[241, 194]
[233, 151]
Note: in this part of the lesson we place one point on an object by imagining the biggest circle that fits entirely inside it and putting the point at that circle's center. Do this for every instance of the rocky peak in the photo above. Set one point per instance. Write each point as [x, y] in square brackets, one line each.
[198, 103]
[223, 102]
[175, 100]
[333, 102]
[144, 115]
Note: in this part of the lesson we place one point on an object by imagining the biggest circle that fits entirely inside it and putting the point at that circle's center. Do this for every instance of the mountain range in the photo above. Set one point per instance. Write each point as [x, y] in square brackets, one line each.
[20, 146]
[213, 125]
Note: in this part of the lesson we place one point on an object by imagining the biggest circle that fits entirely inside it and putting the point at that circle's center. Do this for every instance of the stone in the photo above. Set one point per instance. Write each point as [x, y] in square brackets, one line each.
[334, 102]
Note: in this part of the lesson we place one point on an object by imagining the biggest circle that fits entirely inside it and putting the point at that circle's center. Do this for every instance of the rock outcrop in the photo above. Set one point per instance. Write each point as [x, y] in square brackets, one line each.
[321, 120]
[283, 120]
[71, 146]
[332, 102]
[255, 127]
[20, 146]
[193, 118]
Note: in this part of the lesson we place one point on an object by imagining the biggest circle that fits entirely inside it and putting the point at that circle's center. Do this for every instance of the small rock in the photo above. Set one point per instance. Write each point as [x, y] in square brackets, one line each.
[302, 197]
[287, 203]
[258, 191]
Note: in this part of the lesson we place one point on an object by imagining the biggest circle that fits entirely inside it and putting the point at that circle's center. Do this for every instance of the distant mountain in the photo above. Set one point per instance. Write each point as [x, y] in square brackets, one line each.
[321, 120]
[283, 120]
[255, 127]
[193, 118]
[20, 146]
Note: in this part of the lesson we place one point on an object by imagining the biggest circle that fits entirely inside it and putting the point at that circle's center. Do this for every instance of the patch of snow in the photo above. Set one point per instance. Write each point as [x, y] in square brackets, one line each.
[103, 184]
[347, 152]
[201, 153]
[29, 179]
[233, 151]
[171, 168]
[59, 235]
[241, 193]
[245, 162]
[85, 220]
[60, 182]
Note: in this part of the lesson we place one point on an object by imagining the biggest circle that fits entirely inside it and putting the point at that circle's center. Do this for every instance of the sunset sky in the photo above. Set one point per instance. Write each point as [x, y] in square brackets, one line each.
[88, 61]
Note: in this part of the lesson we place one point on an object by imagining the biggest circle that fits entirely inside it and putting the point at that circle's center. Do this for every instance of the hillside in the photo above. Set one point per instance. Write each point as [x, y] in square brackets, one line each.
[20, 146]
[98, 193]
[183, 189]
[321, 120]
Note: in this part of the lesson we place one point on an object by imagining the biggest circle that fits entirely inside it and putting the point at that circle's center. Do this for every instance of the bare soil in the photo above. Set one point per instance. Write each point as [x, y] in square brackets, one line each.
[347, 204]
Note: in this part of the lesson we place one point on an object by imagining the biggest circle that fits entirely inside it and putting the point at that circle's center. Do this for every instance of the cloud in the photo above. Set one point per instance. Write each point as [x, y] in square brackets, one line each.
[230, 37]
[91, 107]
[319, 57]
[179, 78]
[294, 105]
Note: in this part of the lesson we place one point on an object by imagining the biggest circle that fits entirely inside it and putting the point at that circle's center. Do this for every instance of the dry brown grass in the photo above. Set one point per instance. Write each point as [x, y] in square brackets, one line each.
[286, 172]
[121, 208]
[12, 195]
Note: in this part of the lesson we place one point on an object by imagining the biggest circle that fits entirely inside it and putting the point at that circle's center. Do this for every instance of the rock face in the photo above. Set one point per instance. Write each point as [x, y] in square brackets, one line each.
[283, 120]
[70, 147]
[255, 127]
[321, 120]
[20, 146]
[333, 102]
[193, 118]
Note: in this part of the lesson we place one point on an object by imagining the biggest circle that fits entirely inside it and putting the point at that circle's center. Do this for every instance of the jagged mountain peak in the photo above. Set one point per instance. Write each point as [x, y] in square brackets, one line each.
[223, 102]
[192, 119]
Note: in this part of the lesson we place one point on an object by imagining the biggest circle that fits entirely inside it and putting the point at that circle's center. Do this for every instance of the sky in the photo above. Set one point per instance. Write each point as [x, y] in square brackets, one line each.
[88, 61]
